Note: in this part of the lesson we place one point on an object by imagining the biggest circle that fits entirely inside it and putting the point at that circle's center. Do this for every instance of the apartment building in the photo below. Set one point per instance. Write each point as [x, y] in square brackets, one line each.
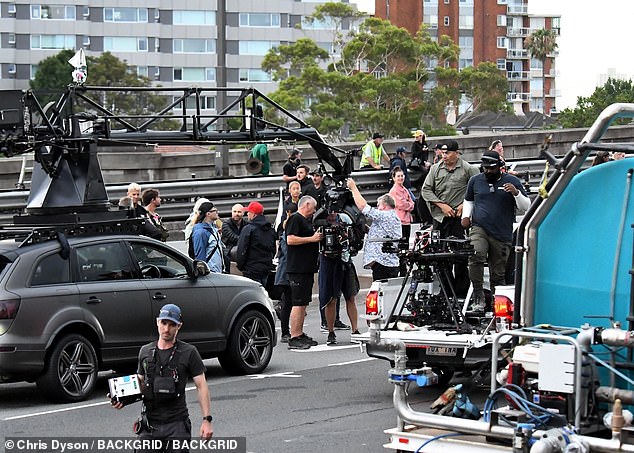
[487, 30]
[175, 43]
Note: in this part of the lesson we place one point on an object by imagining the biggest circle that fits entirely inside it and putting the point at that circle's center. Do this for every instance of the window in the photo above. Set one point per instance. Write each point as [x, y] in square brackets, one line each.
[536, 64]
[52, 41]
[254, 75]
[152, 259]
[103, 262]
[446, 21]
[256, 47]
[33, 71]
[501, 20]
[501, 64]
[259, 20]
[125, 15]
[142, 71]
[502, 2]
[187, 17]
[446, 2]
[194, 74]
[124, 44]
[501, 42]
[51, 270]
[466, 51]
[59, 12]
[316, 24]
[11, 8]
[206, 102]
[11, 39]
[194, 45]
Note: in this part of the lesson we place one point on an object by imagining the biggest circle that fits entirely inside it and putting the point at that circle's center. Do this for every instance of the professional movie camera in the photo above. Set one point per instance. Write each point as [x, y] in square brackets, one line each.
[430, 299]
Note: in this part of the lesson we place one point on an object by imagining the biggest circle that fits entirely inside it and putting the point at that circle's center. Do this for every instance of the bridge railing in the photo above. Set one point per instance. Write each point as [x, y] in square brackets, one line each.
[179, 196]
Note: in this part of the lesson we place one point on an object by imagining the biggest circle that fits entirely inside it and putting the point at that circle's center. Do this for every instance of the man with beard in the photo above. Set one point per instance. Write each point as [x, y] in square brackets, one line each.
[489, 209]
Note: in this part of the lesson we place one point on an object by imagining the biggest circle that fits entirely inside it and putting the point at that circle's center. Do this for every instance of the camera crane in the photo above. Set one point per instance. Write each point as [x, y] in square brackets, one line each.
[67, 184]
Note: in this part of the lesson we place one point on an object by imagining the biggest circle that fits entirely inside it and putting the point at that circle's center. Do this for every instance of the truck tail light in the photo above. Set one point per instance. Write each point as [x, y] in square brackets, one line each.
[372, 303]
[503, 311]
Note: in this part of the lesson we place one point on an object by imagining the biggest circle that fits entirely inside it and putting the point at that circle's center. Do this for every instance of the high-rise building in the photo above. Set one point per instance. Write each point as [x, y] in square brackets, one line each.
[487, 30]
[174, 43]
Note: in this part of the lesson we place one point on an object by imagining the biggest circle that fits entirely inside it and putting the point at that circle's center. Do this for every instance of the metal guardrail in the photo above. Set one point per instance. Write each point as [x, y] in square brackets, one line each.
[179, 196]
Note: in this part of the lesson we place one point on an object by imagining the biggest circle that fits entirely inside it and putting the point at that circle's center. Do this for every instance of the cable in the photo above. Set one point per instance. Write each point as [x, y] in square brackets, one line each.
[433, 439]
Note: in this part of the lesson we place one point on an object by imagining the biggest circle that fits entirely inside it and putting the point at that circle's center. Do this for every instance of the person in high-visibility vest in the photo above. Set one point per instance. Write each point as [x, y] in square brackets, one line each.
[373, 153]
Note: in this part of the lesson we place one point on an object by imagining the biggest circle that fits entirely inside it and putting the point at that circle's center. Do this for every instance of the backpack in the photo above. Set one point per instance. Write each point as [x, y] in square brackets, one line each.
[190, 247]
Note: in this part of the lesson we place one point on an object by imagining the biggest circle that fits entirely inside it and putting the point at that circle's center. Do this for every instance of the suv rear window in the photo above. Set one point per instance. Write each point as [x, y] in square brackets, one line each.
[51, 270]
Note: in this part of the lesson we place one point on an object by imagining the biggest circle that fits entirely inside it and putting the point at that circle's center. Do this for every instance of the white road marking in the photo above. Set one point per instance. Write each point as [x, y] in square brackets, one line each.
[274, 375]
[351, 362]
[325, 347]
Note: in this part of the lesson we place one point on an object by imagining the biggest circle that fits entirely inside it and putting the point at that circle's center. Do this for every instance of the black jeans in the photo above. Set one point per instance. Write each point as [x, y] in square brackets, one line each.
[459, 275]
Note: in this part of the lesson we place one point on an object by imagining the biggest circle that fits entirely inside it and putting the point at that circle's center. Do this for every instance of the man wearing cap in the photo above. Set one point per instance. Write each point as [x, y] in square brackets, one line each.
[489, 209]
[164, 367]
[289, 170]
[373, 153]
[444, 190]
[256, 246]
[317, 189]
[206, 238]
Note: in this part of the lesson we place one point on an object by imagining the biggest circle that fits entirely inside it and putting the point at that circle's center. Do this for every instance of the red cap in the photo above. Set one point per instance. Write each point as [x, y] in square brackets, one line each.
[255, 208]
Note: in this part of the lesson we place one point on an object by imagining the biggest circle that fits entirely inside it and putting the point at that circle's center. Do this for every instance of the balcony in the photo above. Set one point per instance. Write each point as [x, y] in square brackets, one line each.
[516, 54]
[518, 32]
[517, 76]
[517, 10]
[514, 95]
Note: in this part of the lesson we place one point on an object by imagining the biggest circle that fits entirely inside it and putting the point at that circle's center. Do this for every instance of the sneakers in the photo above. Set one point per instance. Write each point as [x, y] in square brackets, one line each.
[298, 343]
[356, 332]
[341, 326]
[285, 338]
[332, 338]
[324, 328]
[308, 339]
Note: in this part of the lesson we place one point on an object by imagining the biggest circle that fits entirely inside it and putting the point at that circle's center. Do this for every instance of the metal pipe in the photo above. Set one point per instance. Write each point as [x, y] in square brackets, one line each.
[619, 243]
[611, 394]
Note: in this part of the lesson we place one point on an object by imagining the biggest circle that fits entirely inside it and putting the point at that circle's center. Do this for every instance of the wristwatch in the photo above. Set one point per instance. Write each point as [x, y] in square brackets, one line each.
[209, 418]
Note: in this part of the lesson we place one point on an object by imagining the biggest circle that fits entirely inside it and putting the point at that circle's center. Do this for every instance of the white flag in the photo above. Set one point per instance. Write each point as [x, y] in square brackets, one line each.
[78, 60]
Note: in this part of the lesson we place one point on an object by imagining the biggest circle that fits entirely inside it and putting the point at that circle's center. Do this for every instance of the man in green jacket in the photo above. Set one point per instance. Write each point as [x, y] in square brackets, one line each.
[261, 152]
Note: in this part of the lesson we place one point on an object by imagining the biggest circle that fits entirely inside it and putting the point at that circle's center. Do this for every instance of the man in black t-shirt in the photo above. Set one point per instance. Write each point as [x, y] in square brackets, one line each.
[164, 368]
[303, 249]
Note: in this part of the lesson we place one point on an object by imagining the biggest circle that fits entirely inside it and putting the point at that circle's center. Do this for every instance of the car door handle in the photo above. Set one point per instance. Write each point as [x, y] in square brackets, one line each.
[93, 300]
[159, 296]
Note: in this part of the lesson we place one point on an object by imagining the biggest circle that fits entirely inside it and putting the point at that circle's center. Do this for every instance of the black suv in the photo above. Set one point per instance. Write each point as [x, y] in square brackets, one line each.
[71, 308]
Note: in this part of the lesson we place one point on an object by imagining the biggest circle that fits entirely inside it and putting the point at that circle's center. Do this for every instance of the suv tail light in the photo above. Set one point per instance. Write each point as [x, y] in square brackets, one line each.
[503, 311]
[9, 308]
[372, 303]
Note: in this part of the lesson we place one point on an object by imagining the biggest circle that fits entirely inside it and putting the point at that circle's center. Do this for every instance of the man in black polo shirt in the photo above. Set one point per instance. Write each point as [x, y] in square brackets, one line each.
[489, 209]
[303, 249]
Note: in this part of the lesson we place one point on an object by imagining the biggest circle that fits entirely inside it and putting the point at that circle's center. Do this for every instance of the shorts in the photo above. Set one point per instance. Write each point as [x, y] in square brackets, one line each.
[336, 278]
[301, 288]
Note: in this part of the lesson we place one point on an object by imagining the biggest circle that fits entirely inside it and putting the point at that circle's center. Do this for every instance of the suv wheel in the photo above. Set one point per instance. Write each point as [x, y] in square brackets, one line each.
[249, 346]
[71, 370]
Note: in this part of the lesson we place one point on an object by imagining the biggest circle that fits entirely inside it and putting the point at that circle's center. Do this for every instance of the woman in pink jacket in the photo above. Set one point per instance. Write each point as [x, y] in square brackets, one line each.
[404, 207]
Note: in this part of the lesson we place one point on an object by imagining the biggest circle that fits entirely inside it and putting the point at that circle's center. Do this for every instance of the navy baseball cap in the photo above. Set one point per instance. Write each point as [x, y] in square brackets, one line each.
[491, 159]
[171, 312]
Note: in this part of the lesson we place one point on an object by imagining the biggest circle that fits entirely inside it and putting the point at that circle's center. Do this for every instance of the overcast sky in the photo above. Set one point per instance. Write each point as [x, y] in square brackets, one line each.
[594, 41]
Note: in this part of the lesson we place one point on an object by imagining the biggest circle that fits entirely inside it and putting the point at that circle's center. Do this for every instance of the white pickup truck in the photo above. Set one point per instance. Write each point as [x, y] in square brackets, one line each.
[448, 344]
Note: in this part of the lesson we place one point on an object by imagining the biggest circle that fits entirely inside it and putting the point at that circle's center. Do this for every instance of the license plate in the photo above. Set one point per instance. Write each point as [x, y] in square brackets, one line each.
[441, 350]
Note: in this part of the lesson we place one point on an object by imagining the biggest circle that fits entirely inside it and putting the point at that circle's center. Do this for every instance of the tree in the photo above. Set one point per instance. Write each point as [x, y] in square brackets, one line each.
[485, 86]
[540, 44]
[589, 108]
[54, 75]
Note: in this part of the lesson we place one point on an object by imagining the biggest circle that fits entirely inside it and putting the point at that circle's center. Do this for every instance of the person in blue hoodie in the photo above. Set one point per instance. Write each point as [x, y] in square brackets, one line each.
[206, 238]
[256, 246]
